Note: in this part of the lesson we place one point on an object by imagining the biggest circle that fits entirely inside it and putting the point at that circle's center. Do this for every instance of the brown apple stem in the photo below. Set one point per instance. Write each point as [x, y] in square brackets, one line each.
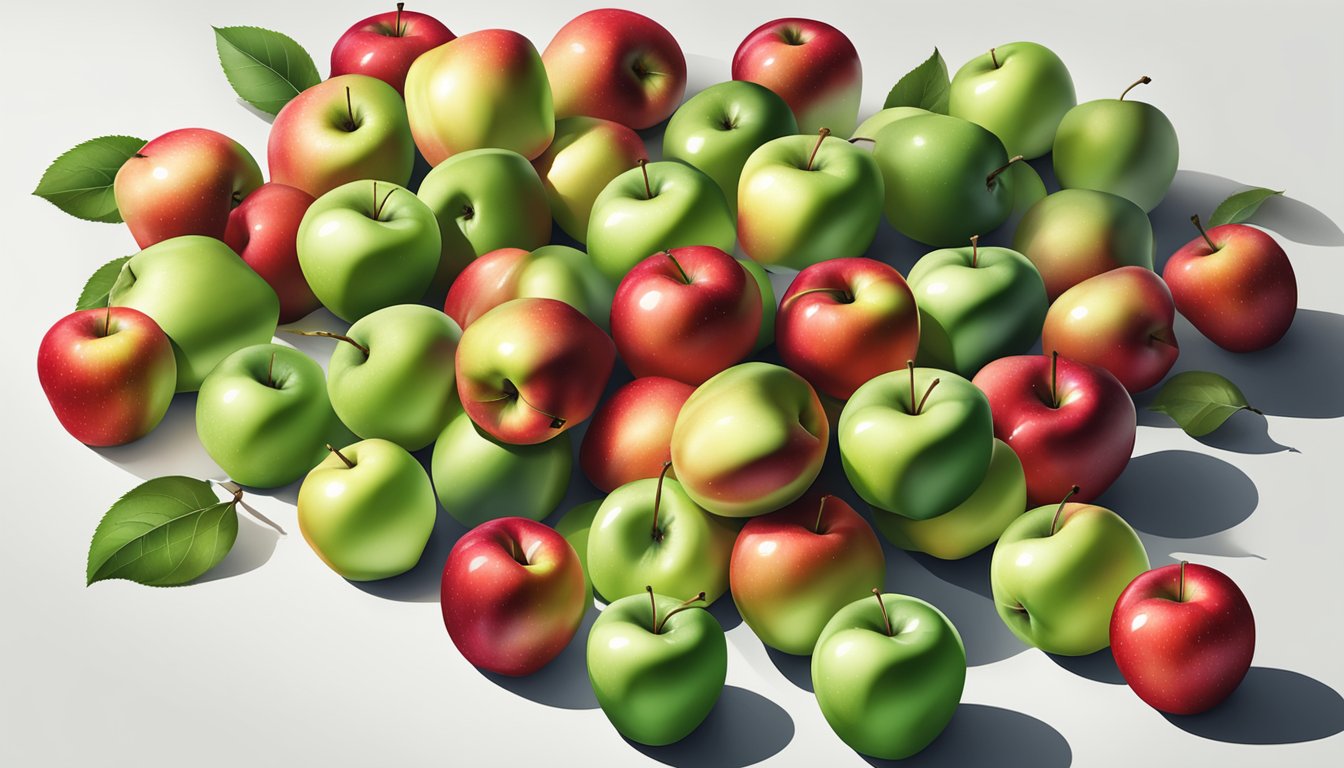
[845, 297]
[821, 509]
[1054, 521]
[920, 408]
[643, 163]
[270, 371]
[378, 211]
[910, 366]
[348, 463]
[1180, 590]
[677, 264]
[107, 320]
[994, 58]
[686, 604]
[333, 335]
[1054, 378]
[821, 136]
[857, 139]
[975, 251]
[989, 180]
[400, 31]
[1141, 81]
[350, 113]
[511, 390]
[886, 620]
[653, 609]
[1200, 226]
[657, 533]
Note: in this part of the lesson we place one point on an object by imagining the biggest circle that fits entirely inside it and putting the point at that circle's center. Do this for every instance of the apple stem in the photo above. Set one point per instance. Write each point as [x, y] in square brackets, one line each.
[994, 58]
[1141, 81]
[350, 114]
[1198, 225]
[1054, 521]
[989, 180]
[845, 297]
[107, 321]
[910, 366]
[643, 163]
[348, 463]
[653, 608]
[821, 136]
[333, 335]
[270, 371]
[682, 606]
[821, 509]
[1180, 590]
[920, 408]
[1054, 378]
[856, 139]
[684, 276]
[658, 500]
[511, 390]
[975, 251]
[378, 210]
[886, 620]
[398, 23]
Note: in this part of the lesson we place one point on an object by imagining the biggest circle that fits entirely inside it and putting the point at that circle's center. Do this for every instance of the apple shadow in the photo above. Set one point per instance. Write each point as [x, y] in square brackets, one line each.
[744, 728]
[970, 573]
[1099, 666]
[1271, 706]
[171, 449]
[419, 170]
[985, 735]
[795, 669]
[1181, 494]
[563, 683]
[255, 544]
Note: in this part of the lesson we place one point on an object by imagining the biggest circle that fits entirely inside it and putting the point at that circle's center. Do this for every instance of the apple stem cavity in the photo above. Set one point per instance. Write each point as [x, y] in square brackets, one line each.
[1198, 225]
[989, 180]
[975, 251]
[656, 533]
[1054, 521]
[920, 408]
[821, 136]
[511, 391]
[399, 30]
[348, 463]
[643, 163]
[1180, 589]
[677, 264]
[1141, 81]
[994, 58]
[333, 335]
[821, 510]
[886, 620]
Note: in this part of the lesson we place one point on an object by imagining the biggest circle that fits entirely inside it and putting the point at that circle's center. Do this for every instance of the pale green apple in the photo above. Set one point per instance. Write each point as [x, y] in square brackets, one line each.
[574, 525]
[881, 119]
[586, 154]
[1019, 91]
[769, 303]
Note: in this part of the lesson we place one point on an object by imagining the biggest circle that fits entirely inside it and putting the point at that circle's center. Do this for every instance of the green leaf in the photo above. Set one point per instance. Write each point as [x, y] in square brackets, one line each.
[265, 68]
[79, 182]
[1241, 206]
[163, 533]
[1199, 401]
[926, 86]
[96, 290]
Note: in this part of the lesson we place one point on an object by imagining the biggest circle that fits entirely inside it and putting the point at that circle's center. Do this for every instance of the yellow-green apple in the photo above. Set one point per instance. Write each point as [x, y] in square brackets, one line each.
[549, 272]
[367, 510]
[585, 155]
[1019, 91]
[685, 313]
[483, 89]
[811, 65]
[574, 525]
[1075, 234]
[1057, 572]
[868, 129]
[769, 305]
[109, 374]
[185, 182]
[385, 44]
[179, 283]
[750, 440]
[367, 245]
[792, 570]
[530, 369]
[617, 65]
[630, 436]
[512, 595]
[1127, 148]
[264, 231]
[888, 672]
[844, 321]
[802, 200]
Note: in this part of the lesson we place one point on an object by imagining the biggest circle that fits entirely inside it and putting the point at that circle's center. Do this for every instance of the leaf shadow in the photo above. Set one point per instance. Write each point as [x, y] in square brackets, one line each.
[744, 728]
[1271, 706]
[254, 547]
[981, 735]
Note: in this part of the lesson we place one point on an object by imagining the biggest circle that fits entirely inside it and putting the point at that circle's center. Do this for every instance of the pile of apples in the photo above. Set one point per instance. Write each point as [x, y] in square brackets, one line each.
[709, 456]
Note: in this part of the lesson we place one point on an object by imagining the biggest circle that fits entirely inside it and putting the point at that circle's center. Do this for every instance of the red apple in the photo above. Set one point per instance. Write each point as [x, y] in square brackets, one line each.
[617, 65]
[184, 183]
[844, 321]
[1236, 285]
[549, 272]
[108, 374]
[1183, 637]
[630, 436]
[685, 313]
[512, 595]
[811, 65]
[1069, 422]
[1119, 320]
[263, 230]
[384, 45]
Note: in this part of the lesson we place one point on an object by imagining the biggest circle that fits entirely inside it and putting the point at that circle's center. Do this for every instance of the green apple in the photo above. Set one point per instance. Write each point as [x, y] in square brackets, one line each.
[653, 207]
[204, 297]
[657, 666]
[1019, 91]
[586, 154]
[1057, 572]
[769, 303]
[1028, 189]
[574, 525]
[717, 129]
[367, 510]
[367, 245]
[1075, 234]
[888, 672]
[869, 128]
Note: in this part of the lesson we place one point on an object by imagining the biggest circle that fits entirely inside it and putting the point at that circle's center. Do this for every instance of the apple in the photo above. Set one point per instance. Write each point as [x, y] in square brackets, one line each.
[367, 245]
[792, 570]
[888, 672]
[1235, 284]
[1183, 637]
[1019, 91]
[617, 65]
[483, 89]
[208, 301]
[530, 369]
[109, 374]
[769, 304]
[630, 436]
[586, 154]
[367, 510]
[512, 595]
[867, 130]
[811, 65]
[574, 525]
[657, 666]
[1075, 234]
[844, 321]
[384, 45]
[185, 182]
[750, 440]
[549, 272]
[264, 230]
[1057, 571]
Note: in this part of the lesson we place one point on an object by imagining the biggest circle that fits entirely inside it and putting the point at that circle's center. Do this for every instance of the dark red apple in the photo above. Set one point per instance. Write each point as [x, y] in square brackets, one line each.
[384, 45]
[263, 230]
[630, 436]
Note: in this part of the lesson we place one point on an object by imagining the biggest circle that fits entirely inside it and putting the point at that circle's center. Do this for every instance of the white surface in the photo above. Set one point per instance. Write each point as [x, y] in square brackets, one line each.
[275, 659]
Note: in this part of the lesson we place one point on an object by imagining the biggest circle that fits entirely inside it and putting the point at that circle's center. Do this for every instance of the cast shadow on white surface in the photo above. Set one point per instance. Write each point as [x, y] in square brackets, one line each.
[255, 544]
[1181, 494]
[795, 669]
[1246, 432]
[744, 728]
[171, 449]
[1099, 667]
[1271, 706]
[981, 735]
[563, 683]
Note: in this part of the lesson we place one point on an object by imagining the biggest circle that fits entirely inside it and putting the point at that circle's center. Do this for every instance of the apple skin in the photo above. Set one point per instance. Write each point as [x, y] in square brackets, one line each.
[811, 65]
[173, 280]
[530, 369]
[1120, 320]
[1127, 148]
[844, 321]
[1183, 653]
[586, 154]
[549, 272]
[976, 305]
[185, 182]
[1075, 234]
[384, 45]
[478, 478]
[574, 525]
[750, 440]
[1056, 591]
[889, 696]
[685, 314]
[1019, 92]
[656, 688]
[882, 118]
[109, 375]
[630, 436]
[1086, 441]
[617, 65]
[370, 521]
[483, 89]
[792, 570]
[263, 230]
[317, 146]
[1243, 296]
[769, 304]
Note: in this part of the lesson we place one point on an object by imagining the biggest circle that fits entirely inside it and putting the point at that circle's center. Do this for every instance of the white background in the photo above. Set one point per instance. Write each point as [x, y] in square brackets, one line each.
[275, 659]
